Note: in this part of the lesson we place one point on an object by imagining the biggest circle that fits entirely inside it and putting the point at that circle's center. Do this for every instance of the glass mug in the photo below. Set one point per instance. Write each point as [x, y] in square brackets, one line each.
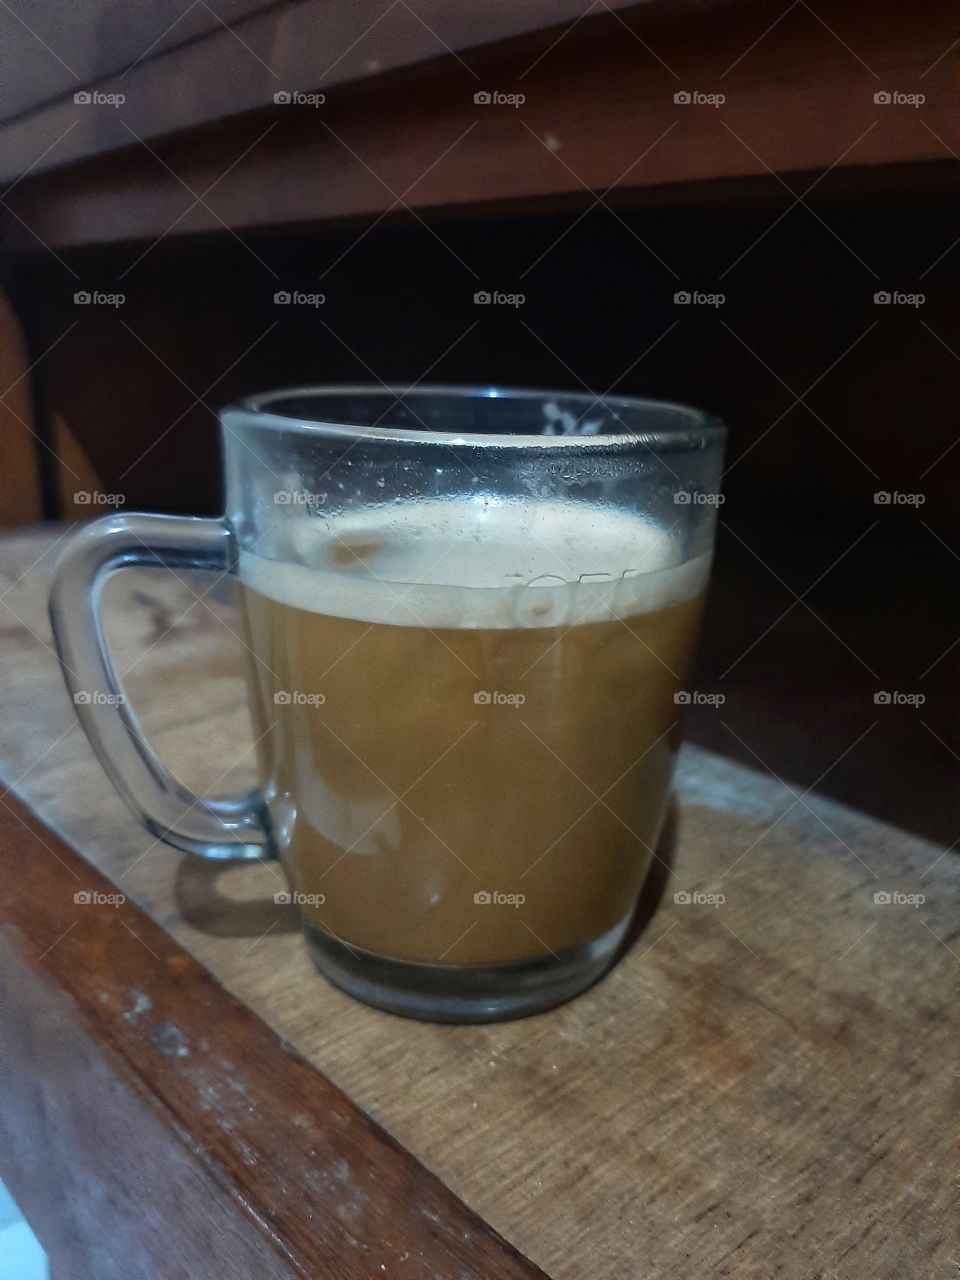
[470, 613]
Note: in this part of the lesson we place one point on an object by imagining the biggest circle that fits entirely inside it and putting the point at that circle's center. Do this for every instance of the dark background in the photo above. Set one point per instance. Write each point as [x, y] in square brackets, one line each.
[821, 597]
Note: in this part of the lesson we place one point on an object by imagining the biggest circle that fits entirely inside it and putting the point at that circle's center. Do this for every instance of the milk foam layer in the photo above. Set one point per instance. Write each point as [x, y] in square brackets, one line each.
[476, 564]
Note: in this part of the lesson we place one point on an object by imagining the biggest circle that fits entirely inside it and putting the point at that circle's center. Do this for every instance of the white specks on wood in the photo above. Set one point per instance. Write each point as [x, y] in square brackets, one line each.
[140, 1003]
[170, 1040]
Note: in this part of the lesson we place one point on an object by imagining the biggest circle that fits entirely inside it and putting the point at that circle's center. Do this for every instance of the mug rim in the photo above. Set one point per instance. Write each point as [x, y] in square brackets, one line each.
[705, 428]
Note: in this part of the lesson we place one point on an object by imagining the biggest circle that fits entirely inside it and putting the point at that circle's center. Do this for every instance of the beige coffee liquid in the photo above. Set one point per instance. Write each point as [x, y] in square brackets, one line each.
[470, 699]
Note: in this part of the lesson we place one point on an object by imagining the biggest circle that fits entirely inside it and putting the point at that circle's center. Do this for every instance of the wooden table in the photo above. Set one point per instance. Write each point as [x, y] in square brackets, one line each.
[759, 1089]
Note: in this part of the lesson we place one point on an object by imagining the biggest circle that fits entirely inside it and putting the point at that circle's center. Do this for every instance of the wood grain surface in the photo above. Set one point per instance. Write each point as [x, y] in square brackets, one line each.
[759, 1088]
[150, 1123]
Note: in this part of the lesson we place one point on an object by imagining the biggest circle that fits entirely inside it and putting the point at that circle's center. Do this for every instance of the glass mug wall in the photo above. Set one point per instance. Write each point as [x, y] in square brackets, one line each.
[467, 613]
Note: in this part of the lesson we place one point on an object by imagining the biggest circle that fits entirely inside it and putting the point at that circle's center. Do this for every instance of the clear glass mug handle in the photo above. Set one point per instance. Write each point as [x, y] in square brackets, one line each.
[211, 828]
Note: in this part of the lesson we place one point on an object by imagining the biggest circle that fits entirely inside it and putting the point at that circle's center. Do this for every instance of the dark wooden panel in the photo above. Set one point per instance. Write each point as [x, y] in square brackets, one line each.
[150, 1124]
[48, 51]
[19, 443]
[179, 65]
[599, 112]
[807, 370]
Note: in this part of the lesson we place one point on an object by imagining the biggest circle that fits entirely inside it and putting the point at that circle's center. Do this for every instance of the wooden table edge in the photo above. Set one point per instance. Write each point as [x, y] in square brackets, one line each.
[96, 989]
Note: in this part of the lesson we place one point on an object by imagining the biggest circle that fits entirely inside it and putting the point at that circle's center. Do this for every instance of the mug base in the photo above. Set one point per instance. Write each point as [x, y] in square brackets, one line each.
[462, 993]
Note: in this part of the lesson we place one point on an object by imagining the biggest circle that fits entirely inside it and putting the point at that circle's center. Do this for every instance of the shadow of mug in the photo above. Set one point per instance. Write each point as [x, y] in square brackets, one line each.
[220, 915]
